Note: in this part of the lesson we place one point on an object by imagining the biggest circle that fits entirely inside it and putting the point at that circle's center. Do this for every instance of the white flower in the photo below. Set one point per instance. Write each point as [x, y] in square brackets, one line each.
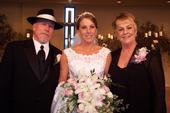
[110, 95]
[57, 59]
[81, 107]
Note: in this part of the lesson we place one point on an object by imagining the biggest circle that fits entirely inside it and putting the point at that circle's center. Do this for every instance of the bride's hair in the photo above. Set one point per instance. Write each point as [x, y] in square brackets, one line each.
[83, 15]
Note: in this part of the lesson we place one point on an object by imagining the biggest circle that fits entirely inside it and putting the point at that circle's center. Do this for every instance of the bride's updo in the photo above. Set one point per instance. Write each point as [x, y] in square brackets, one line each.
[88, 15]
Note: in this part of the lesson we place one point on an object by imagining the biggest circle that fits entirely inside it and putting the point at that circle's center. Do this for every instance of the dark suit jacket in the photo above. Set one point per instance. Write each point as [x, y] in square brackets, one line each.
[21, 87]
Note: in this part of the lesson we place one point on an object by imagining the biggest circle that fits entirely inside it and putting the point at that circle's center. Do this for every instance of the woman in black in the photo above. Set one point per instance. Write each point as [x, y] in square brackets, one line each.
[136, 70]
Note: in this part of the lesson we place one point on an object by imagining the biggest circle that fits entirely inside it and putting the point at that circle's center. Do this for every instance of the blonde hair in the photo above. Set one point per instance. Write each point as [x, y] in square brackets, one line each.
[125, 16]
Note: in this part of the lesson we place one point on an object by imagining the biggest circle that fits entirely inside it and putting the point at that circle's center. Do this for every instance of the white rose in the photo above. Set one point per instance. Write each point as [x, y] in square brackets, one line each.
[58, 57]
[81, 107]
[110, 95]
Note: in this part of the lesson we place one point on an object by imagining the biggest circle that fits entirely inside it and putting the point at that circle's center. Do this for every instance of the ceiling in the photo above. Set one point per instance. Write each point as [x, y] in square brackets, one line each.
[100, 2]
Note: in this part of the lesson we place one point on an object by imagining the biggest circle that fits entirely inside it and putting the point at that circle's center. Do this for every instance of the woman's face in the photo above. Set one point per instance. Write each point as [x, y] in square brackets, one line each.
[87, 30]
[126, 31]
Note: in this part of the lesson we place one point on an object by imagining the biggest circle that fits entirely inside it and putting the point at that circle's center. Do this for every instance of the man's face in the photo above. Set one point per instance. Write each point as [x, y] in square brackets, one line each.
[43, 30]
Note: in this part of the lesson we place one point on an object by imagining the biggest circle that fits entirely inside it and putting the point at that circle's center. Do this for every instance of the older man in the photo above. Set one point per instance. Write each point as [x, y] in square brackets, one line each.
[29, 68]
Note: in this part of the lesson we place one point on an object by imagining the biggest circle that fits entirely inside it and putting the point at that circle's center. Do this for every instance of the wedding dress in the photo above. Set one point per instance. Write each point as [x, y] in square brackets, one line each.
[80, 64]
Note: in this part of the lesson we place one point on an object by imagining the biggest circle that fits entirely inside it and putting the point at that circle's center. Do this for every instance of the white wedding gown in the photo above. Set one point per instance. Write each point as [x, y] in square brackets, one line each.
[80, 64]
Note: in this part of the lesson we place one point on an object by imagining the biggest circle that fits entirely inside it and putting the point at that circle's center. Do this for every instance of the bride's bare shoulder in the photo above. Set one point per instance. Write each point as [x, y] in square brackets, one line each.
[99, 47]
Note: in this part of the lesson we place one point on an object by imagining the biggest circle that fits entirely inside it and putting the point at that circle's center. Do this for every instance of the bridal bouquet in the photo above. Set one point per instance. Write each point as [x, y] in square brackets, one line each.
[89, 94]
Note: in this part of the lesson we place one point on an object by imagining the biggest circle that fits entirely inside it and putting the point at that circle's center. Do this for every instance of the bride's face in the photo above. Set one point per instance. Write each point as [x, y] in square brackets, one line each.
[87, 30]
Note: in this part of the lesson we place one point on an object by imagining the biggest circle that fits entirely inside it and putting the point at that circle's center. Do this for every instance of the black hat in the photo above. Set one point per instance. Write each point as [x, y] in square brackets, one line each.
[46, 14]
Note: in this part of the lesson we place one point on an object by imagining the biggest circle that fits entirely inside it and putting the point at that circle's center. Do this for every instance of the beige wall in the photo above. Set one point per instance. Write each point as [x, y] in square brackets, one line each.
[105, 15]
[17, 14]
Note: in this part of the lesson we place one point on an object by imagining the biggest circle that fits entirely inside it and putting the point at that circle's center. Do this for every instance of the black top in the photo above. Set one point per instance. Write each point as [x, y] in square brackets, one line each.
[142, 85]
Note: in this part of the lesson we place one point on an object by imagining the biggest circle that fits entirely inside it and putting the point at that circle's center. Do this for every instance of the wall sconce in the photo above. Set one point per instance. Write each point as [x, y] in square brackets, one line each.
[28, 33]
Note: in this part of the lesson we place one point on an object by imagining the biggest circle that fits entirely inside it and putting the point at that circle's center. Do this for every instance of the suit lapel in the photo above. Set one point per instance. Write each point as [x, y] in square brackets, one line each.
[32, 58]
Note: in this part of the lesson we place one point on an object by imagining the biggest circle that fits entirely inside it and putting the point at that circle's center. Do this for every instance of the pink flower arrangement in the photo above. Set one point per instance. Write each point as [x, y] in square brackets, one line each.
[141, 55]
[89, 94]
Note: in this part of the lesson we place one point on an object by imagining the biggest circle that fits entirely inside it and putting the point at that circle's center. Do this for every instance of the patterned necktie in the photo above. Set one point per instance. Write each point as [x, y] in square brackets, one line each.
[41, 60]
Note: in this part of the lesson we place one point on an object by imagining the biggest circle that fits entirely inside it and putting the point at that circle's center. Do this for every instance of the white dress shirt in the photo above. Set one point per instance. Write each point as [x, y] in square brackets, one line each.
[37, 46]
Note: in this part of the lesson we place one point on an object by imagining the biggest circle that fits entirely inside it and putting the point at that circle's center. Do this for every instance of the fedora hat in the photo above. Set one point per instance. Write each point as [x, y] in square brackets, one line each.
[45, 14]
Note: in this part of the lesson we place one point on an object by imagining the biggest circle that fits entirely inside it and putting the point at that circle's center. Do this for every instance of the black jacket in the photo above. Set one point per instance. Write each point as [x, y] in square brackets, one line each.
[22, 91]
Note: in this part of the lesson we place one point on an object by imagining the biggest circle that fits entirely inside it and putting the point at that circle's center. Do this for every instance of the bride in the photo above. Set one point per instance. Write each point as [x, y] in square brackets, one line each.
[82, 57]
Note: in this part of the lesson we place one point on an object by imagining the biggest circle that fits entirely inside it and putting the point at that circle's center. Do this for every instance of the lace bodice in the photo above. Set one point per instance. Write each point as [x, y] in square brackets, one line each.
[80, 64]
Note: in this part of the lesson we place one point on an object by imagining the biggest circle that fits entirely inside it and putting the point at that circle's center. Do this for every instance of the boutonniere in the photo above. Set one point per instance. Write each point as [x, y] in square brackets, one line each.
[57, 59]
[140, 55]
